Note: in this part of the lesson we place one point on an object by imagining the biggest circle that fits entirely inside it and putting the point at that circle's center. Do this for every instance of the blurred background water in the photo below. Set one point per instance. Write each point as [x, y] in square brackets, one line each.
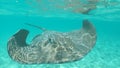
[106, 19]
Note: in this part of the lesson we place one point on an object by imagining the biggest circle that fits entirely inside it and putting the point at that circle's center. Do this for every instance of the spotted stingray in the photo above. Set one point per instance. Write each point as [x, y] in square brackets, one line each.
[52, 46]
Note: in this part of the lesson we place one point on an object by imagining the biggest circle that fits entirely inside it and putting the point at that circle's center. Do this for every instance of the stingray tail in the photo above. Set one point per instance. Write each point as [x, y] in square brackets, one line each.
[43, 29]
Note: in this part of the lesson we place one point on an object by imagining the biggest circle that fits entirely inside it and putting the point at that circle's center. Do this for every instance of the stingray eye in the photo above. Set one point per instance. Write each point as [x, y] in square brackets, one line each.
[50, 40]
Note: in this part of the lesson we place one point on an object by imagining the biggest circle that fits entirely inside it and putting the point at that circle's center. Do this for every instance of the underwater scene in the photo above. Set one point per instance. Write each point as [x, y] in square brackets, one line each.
[59, 33]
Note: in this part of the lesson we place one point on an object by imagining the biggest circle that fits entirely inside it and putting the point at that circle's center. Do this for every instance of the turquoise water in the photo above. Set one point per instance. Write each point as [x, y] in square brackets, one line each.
[105, 54]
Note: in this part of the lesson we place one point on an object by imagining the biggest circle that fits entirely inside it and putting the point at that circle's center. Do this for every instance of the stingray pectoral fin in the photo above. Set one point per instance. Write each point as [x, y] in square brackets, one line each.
[17, 46]
[20, 37]
[84, 39]
[88, 27]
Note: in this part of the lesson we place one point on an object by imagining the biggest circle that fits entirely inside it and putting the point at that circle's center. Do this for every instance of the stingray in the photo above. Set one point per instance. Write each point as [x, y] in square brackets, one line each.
[52, 46]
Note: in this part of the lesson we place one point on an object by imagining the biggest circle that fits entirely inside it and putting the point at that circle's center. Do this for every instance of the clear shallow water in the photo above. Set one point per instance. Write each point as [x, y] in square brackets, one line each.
[105, 54]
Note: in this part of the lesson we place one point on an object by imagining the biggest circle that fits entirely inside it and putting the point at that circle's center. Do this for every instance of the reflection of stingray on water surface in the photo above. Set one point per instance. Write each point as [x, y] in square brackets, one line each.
[52, 46]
